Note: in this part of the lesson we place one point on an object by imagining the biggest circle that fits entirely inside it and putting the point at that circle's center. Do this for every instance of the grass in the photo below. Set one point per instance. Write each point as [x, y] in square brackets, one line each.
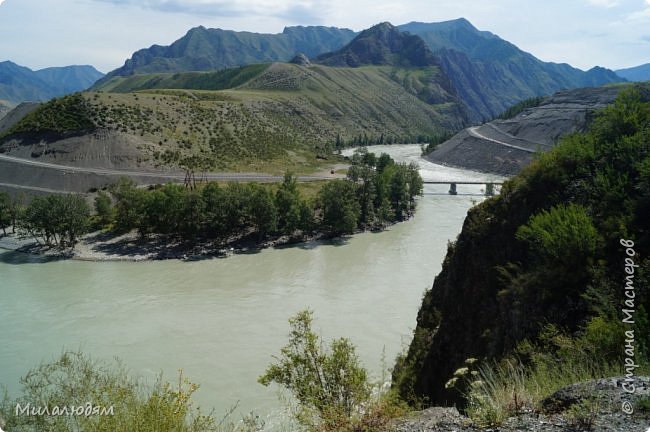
[218, 80]
[509, 387]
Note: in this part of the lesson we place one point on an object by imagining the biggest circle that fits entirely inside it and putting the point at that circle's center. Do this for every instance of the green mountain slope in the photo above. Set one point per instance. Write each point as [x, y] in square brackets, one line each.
[491, 74]
[219, 80]
[283, 113]
[19, 84]
[204, 49]
[382, 44]
[544, 262]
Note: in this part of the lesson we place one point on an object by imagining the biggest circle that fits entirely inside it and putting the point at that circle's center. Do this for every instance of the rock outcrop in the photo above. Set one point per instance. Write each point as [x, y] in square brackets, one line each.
[554, 416]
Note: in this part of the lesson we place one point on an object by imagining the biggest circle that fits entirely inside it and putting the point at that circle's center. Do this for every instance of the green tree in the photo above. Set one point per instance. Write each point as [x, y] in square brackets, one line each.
[365, 177]
[383, 161]
[293, 212]
[104, 208]
[263, 212]
[341, 210]
[57, 219]
[193, 214]
[214, 199]
[130, 205]
[328, 384]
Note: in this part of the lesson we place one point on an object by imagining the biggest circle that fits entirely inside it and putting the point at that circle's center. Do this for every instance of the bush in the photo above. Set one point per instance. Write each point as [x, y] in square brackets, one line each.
[329, 385]
[74, 380]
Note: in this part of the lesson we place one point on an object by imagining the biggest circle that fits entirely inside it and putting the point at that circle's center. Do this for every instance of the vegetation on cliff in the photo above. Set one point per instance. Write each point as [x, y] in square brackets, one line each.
[546, 275]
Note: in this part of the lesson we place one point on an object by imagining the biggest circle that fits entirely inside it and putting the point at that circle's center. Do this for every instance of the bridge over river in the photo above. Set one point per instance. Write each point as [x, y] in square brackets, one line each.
[489, 185]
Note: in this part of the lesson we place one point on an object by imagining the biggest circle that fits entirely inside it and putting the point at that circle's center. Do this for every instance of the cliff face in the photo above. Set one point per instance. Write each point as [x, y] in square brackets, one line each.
[546, 251]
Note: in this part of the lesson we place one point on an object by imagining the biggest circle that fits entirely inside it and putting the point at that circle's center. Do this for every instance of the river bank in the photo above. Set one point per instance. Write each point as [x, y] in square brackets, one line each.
[108, 246]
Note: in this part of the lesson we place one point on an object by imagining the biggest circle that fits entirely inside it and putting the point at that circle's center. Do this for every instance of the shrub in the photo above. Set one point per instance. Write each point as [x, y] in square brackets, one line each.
[329, 385]
[74, 380]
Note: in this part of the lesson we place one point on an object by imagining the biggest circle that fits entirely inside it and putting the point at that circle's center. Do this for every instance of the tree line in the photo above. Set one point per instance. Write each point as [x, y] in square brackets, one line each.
[377, 191]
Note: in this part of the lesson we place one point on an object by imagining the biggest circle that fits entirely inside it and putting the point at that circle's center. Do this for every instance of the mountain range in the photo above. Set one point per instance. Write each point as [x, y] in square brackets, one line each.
[19, 83]
[488, 73]
[386, 84]
[204, 49]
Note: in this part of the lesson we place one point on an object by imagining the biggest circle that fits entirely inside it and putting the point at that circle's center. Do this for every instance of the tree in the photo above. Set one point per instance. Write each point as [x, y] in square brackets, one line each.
[75, 216]
[130, 205]
[365, 177]
[104, 208]
[263, 212]
[341, 210]
[328, 384]
[293, 212]
[398, 191]
[57, 219]
[383, 161]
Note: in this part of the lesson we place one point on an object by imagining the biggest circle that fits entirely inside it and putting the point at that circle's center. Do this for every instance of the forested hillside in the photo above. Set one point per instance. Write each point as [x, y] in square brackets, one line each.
[553, 274]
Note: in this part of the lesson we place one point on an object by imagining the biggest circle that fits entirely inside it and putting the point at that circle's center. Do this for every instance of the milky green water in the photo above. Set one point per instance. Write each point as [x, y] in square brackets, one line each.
[221, 320]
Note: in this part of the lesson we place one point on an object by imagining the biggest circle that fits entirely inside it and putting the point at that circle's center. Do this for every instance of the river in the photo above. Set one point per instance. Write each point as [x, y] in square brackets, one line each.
[221, 320]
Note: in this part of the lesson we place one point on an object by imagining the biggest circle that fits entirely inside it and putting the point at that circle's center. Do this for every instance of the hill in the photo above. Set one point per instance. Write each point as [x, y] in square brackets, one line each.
[204, 49]
[637, 73]
[69, 79]
[20, 84]
[491, 74]
[278, 115]
[382, 44]
[506, 145]
[532, 288]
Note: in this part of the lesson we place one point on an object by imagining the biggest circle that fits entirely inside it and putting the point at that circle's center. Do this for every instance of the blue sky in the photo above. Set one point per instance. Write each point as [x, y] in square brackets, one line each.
[104, 33]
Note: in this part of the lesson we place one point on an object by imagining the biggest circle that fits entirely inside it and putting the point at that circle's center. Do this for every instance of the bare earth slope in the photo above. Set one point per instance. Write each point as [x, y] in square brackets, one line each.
[506, 146]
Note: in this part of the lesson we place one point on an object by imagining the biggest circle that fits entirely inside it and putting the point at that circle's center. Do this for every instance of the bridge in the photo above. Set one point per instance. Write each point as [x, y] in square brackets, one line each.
[489, 185]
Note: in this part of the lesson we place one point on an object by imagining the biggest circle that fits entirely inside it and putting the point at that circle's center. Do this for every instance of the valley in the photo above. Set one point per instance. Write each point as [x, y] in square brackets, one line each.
[260, 177]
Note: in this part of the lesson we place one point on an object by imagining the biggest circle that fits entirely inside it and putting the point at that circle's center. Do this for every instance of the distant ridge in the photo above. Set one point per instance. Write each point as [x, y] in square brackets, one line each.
[491, 74]
[637, 73]
[381, 45]
[19, 83]
[204, 49]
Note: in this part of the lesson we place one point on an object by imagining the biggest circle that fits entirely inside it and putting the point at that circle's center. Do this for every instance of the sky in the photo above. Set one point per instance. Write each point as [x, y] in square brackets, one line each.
[104, 33]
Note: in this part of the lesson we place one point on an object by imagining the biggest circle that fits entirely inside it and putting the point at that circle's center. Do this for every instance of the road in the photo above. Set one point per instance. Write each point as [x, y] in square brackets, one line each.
[475, 133]
[173, 176]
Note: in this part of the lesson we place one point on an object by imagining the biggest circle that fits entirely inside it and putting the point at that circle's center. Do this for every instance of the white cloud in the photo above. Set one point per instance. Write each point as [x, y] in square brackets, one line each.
[641, 15]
